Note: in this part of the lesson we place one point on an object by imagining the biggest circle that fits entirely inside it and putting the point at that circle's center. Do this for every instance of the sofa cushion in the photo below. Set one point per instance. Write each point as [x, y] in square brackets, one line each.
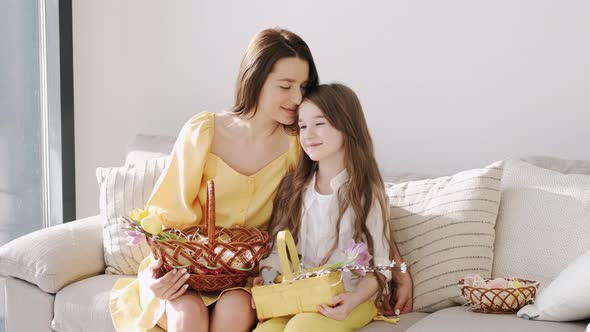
[84, 305]
[444, 229]
[462, 319]
[54, 257]
[398, 177]
[560, 165]
[543, 223]
[567, 297]
[121, 190]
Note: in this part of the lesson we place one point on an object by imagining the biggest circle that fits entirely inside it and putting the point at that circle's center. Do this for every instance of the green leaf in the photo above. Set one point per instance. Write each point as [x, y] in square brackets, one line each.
[175, 237]
[180, 266]
[212, 268]
[170, 236]
[338, 265]
[243, 269]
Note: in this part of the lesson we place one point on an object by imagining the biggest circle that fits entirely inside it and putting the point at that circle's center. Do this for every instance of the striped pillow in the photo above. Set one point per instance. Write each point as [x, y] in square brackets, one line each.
[444, 229]
[121, 190]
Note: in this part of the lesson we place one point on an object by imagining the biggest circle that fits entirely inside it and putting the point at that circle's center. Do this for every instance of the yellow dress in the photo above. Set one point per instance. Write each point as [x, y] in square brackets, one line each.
[179, 199]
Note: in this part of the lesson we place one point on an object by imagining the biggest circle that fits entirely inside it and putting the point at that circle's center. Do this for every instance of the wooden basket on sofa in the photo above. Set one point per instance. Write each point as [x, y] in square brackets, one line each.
[217, 258]
[499, 300]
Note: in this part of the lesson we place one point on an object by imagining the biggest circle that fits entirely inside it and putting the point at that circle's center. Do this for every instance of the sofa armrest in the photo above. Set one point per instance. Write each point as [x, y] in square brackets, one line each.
[55, 257]
[26, 307]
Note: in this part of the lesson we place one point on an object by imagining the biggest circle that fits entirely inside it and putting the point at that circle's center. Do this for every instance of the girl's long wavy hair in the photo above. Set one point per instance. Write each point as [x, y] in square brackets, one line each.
[342, 109]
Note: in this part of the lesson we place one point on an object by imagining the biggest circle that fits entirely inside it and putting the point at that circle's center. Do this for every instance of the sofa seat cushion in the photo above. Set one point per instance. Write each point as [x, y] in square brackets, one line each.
[462, 319]
[84, 305]
[406, 320]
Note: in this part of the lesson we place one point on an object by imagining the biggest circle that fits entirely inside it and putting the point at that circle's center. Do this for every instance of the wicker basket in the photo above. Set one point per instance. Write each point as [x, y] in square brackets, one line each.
[499, 300]
[217, 258]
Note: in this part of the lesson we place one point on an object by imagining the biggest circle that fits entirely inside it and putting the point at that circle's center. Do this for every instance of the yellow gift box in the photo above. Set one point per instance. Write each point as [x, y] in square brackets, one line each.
[290, 296]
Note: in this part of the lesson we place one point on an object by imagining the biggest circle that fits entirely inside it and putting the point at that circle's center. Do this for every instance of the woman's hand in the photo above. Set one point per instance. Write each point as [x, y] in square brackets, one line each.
[403, 292]
[258, 281]
[169, 287]
[341, 306]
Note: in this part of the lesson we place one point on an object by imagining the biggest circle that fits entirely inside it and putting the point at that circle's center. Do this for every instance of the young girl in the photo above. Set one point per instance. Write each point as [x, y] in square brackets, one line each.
[335, 194]
[247, 151]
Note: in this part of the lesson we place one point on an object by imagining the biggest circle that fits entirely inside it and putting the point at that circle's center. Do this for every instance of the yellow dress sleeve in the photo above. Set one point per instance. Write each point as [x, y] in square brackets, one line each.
[174, 198]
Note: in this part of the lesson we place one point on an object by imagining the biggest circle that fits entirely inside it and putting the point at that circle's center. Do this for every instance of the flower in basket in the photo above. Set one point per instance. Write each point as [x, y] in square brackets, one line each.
[134, 237]
[138, 214]
[143, 224]
[477, 281]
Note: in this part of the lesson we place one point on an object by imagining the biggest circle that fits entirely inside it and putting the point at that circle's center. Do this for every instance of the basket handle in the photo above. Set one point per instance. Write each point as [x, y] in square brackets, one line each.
[285, 241]
[211, 212]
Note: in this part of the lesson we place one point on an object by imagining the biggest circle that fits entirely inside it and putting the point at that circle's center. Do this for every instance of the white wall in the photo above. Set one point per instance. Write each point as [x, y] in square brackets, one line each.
[446, 85]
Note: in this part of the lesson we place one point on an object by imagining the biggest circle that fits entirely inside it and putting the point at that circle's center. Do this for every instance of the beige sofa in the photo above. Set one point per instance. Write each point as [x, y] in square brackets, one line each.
[55, 281]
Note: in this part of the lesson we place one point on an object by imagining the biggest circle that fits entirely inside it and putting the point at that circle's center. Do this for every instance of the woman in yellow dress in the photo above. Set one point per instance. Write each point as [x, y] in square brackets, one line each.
[247, 151]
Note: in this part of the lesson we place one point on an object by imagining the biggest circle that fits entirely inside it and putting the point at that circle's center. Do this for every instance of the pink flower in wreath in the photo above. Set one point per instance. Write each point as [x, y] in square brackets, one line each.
[358, 253]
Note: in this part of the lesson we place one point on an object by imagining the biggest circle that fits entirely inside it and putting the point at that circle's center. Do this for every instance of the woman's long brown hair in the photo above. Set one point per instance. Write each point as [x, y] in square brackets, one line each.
[264, 50]
[365, 187]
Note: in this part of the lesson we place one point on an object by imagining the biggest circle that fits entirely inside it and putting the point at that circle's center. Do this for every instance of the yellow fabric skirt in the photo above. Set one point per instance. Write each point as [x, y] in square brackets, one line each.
[362, 315]
[127, 313]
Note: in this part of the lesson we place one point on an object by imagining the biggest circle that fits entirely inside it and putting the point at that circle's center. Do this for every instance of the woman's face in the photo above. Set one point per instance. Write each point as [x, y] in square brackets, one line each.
[283, 89]
[319, 139]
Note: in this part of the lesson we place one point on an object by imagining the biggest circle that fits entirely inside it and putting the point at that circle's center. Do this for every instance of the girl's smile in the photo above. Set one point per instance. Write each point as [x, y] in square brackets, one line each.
[319, 139]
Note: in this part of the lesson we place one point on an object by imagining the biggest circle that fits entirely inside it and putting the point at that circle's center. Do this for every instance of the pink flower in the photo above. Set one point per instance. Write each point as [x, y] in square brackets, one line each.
[358, 253]
[498, 283]
[134, 237]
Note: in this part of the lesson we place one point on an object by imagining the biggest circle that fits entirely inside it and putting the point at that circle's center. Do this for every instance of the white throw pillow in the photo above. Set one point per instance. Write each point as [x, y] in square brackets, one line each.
[567, 297]
[121, 190]
[444, 229]
[543, 223]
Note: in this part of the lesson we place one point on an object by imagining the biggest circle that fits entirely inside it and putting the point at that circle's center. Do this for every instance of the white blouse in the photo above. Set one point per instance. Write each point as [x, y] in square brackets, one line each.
[317, 232]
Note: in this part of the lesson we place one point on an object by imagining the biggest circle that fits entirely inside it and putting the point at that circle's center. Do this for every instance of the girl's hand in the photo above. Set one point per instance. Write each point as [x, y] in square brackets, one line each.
[169, 287]
[342, 306]
[403, 293]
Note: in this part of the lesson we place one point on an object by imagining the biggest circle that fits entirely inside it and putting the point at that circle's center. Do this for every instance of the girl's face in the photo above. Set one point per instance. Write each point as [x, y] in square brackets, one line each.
[283, 89]
[320, 141]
